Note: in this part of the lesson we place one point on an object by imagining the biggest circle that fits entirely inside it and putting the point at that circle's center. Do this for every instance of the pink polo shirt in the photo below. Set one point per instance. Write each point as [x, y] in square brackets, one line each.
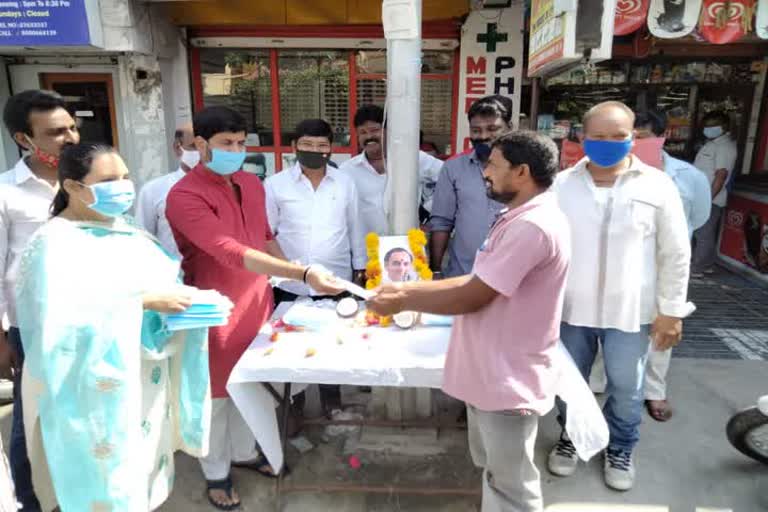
[500, 358]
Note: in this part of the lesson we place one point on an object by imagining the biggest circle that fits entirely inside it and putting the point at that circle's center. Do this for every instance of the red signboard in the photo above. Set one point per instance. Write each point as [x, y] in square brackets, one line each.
[725, 21]
[630, 16]
[745, 233]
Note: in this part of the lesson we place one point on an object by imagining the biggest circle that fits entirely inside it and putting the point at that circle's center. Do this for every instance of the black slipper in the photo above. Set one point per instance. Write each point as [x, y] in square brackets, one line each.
[258, 465]
[221, 485]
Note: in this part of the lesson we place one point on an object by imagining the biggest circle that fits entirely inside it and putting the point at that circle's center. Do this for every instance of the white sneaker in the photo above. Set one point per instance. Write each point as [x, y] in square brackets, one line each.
[619, 468]
[562, 459]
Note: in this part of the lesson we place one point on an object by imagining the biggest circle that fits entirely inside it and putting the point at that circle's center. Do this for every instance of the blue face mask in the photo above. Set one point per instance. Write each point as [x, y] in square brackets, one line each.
[607, 153]
[226, 162]
[712, 132]
[112, 198]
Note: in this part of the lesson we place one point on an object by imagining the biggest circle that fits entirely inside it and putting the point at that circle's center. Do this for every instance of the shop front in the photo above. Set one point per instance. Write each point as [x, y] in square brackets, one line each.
[114, 64]
[711, 68]
[287, 61]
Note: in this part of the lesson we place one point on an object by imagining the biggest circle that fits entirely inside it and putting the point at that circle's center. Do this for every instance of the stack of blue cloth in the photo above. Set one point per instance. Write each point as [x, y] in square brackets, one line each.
[209, 309]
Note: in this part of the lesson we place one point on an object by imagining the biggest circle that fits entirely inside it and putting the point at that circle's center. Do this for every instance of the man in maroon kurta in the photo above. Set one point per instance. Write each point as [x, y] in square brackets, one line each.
[218, 217]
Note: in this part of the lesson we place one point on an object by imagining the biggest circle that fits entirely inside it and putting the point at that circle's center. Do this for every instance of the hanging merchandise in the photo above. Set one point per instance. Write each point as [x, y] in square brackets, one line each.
[670, 19]
[761, 19]
[630, 16]
[726, 21]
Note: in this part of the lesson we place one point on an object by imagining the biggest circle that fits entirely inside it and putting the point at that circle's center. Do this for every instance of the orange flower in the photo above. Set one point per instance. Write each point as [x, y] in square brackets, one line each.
[372, 240]
[372, 269]
[385, 321]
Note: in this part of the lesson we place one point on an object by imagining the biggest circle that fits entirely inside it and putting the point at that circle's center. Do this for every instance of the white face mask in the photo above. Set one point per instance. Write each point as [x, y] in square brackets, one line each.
[190, 158]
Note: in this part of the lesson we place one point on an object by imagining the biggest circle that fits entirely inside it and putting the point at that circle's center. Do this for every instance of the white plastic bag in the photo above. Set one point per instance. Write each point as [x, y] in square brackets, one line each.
[585, 423]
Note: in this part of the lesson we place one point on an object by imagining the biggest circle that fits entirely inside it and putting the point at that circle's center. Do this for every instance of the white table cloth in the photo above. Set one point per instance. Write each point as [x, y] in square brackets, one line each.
[373, 356]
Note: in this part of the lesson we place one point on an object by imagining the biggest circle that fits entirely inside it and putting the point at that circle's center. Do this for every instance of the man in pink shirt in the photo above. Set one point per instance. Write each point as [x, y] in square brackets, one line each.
[500, 355]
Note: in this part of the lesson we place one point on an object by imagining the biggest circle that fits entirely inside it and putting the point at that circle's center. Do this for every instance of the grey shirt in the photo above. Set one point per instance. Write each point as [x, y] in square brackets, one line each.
[461, 206]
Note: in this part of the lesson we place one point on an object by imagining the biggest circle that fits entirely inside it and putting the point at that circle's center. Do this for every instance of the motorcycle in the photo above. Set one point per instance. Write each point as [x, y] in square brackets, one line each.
[748, 431]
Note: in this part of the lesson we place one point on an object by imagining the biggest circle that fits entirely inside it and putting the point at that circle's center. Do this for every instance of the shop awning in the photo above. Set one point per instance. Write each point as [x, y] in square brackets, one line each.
[297, 12]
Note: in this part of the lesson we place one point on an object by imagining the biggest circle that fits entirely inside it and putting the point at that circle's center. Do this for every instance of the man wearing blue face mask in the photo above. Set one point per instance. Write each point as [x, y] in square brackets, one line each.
[628, 280]
[462, 212]
[219, 220]
[716, 160]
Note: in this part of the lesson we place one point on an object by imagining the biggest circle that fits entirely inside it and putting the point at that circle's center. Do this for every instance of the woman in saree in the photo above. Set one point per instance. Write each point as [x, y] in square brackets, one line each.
[112, 394]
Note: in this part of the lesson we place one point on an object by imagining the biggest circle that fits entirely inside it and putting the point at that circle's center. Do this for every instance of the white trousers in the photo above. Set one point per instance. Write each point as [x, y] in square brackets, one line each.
[231, 440]
[502, 443]
[656, 369]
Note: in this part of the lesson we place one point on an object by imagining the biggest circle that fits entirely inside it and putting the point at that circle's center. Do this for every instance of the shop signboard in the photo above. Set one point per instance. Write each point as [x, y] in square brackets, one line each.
[563, 32]
[44, 23]
[744, 238]
[725, 21]
[761, 19]
[670, 19]
[630, 16]
[491, 62]
[552, 37]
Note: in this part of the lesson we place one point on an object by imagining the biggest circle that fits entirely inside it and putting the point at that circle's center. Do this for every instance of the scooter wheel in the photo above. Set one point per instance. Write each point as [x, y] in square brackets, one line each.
[748, 432]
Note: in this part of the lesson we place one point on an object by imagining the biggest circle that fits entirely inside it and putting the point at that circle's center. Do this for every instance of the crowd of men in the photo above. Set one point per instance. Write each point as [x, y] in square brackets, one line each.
[525, 253]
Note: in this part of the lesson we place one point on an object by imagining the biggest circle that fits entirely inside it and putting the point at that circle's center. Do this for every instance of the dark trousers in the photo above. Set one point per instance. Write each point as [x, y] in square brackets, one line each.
[20, 468]
[330, 394]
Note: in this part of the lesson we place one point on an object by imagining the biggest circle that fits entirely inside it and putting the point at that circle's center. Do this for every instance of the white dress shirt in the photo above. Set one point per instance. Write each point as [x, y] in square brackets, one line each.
[150, 210]
[316, 226]
[630, 249]
[719, 153]
[371, 187]
[25, 205]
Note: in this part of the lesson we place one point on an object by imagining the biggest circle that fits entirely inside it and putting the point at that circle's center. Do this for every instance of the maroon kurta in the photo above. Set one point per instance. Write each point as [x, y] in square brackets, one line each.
[213, 231]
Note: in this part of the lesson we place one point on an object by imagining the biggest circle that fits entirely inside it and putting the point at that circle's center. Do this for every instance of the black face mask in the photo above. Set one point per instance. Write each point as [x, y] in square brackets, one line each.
[311, 159]
[482, 148]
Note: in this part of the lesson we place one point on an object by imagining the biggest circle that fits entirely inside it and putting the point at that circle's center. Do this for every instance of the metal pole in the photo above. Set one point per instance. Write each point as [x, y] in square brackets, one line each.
[402, 164]
[535, 98]
[403, 122]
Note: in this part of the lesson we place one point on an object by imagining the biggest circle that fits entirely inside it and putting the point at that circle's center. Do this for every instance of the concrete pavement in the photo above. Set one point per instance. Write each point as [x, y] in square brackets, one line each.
[682, 464]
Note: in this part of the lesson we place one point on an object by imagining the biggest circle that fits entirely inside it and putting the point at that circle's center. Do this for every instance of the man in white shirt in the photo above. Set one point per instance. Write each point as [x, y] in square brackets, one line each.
[628, 280]
[368, 172]
[716, 159]
[313, 211]
[40, 125]
[150, 210]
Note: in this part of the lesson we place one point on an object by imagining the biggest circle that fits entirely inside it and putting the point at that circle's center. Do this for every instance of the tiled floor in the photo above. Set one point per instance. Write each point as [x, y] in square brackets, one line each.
[731, 320]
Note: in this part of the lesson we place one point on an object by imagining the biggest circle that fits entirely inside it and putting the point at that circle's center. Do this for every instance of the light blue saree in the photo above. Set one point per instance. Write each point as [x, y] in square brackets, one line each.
[110, 394]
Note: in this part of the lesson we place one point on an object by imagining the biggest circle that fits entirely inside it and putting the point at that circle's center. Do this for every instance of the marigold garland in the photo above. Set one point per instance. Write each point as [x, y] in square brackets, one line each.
[417, 240]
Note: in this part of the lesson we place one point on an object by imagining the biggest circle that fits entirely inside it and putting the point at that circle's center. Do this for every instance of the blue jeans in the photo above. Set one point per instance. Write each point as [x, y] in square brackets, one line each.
[625, 355]
[20, 469]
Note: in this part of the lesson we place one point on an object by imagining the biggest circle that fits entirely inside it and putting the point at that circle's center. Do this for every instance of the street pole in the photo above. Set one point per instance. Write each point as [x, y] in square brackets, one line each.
[402, 162]
[403, 123]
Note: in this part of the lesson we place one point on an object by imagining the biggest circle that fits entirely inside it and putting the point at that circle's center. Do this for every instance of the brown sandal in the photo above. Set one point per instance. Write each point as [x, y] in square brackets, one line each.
[659, 410]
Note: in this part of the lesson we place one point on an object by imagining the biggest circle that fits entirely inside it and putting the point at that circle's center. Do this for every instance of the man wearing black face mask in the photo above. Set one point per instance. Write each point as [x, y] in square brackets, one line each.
[460, 204]
[312, 209]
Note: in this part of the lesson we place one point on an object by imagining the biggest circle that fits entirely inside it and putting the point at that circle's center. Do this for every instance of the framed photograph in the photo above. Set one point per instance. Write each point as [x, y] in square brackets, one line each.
[396, 259]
